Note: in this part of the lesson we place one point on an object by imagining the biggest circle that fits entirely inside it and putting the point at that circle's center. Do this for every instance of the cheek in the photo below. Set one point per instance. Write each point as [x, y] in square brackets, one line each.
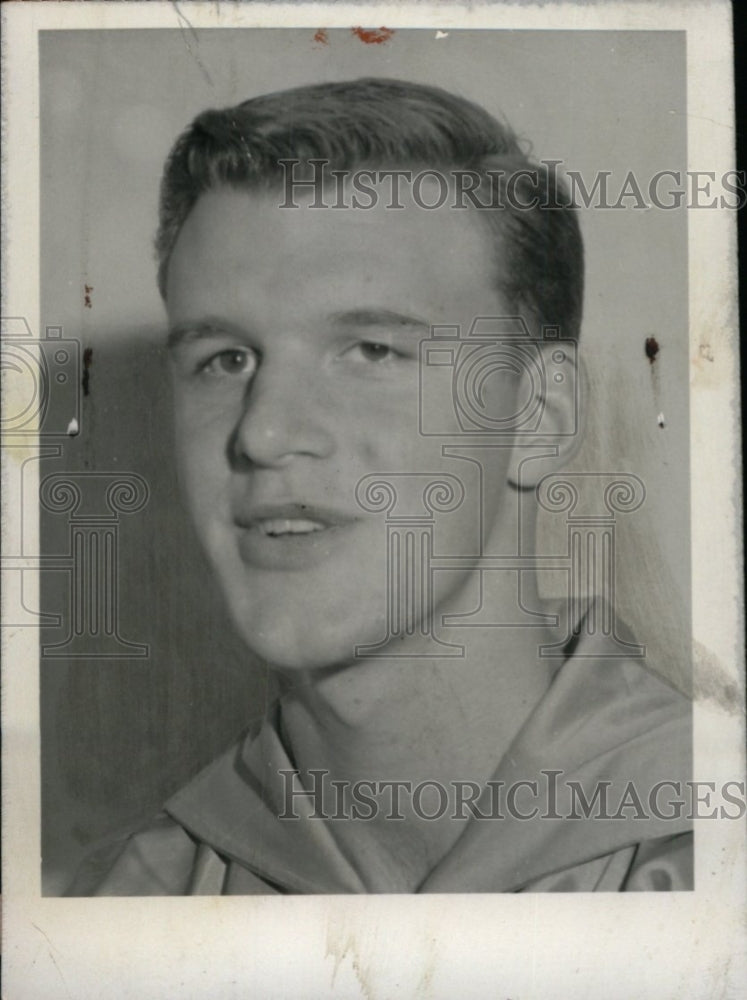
[202, 458]
[370, 451]
[391, 451]
[389, 439]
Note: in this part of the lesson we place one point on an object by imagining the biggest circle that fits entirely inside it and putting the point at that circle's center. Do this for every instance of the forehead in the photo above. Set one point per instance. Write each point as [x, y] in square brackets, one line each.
[242, 246]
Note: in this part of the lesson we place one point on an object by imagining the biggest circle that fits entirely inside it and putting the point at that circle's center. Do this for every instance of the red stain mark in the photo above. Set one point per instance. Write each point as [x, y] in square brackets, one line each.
[87, 297]
[87, 362]
[321, 37]
[652, 349]
[373, 36]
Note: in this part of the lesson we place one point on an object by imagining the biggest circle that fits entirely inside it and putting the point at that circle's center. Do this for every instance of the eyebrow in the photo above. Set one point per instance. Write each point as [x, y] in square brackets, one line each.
[378, 317]
[191, 330]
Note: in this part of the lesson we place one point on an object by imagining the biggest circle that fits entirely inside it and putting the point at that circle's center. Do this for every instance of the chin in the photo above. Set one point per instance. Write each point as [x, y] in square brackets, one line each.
[298, 641]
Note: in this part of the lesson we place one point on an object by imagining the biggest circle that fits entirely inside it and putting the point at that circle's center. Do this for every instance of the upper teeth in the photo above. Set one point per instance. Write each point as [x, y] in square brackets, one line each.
[286, 526]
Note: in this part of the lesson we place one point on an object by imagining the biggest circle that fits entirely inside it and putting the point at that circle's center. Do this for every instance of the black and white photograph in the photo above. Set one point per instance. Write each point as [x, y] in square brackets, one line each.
[364, 502]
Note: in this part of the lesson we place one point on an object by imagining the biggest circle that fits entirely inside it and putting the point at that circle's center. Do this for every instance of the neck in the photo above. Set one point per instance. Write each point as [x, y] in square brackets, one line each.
[415, 714]
[441, 720]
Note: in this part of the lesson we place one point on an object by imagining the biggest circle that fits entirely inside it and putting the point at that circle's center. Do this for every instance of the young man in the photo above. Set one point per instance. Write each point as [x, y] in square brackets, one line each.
[373, 299]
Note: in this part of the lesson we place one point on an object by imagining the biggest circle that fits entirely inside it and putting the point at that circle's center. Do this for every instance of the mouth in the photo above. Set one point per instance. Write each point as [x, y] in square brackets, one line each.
[289, 535]
[279, 527]
[276, 520]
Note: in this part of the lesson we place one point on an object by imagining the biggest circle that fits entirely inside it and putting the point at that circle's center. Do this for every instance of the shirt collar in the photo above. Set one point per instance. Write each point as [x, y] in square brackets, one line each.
[602, 721]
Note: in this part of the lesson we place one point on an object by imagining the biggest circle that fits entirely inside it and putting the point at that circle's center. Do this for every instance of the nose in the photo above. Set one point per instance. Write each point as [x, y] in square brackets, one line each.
[284, 415]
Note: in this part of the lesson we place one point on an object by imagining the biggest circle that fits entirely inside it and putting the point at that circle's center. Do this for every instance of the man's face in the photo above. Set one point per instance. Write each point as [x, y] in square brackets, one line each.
[295, 342]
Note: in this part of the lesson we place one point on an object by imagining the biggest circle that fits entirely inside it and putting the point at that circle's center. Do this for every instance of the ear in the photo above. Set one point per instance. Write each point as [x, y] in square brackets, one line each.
[556, 434]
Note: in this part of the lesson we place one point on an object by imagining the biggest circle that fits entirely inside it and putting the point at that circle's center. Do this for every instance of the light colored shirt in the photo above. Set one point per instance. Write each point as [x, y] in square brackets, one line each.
[607, 724]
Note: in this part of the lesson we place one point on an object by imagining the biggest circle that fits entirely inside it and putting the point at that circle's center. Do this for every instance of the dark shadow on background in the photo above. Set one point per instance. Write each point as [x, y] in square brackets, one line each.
[120, 735]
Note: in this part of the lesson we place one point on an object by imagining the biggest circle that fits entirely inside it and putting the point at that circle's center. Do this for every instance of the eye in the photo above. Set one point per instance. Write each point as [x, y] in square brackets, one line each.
[233, 361]
[371, 350]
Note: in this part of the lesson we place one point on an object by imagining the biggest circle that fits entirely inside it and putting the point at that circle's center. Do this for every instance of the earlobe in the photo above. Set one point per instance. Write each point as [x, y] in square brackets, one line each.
[560, 427]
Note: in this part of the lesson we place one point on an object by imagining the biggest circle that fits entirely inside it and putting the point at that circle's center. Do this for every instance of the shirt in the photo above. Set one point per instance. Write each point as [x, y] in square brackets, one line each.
[608, 749]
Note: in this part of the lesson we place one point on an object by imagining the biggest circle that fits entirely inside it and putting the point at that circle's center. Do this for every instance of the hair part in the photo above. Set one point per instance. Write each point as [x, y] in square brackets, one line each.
[386, 124]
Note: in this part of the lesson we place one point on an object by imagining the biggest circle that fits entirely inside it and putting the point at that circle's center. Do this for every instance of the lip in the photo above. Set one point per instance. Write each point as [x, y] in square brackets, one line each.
[251, 516]
[290, 551]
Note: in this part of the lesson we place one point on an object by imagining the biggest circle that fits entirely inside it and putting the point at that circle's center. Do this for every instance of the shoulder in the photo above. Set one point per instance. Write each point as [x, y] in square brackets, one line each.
[664, 864]
[165, 856]
[156, 860]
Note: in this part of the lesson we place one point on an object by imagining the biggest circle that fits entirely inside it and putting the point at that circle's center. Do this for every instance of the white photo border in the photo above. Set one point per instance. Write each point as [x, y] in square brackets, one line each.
[513, 946]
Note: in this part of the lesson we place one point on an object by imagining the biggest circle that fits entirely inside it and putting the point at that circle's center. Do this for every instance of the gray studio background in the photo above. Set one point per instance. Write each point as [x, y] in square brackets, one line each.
[119, 735]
